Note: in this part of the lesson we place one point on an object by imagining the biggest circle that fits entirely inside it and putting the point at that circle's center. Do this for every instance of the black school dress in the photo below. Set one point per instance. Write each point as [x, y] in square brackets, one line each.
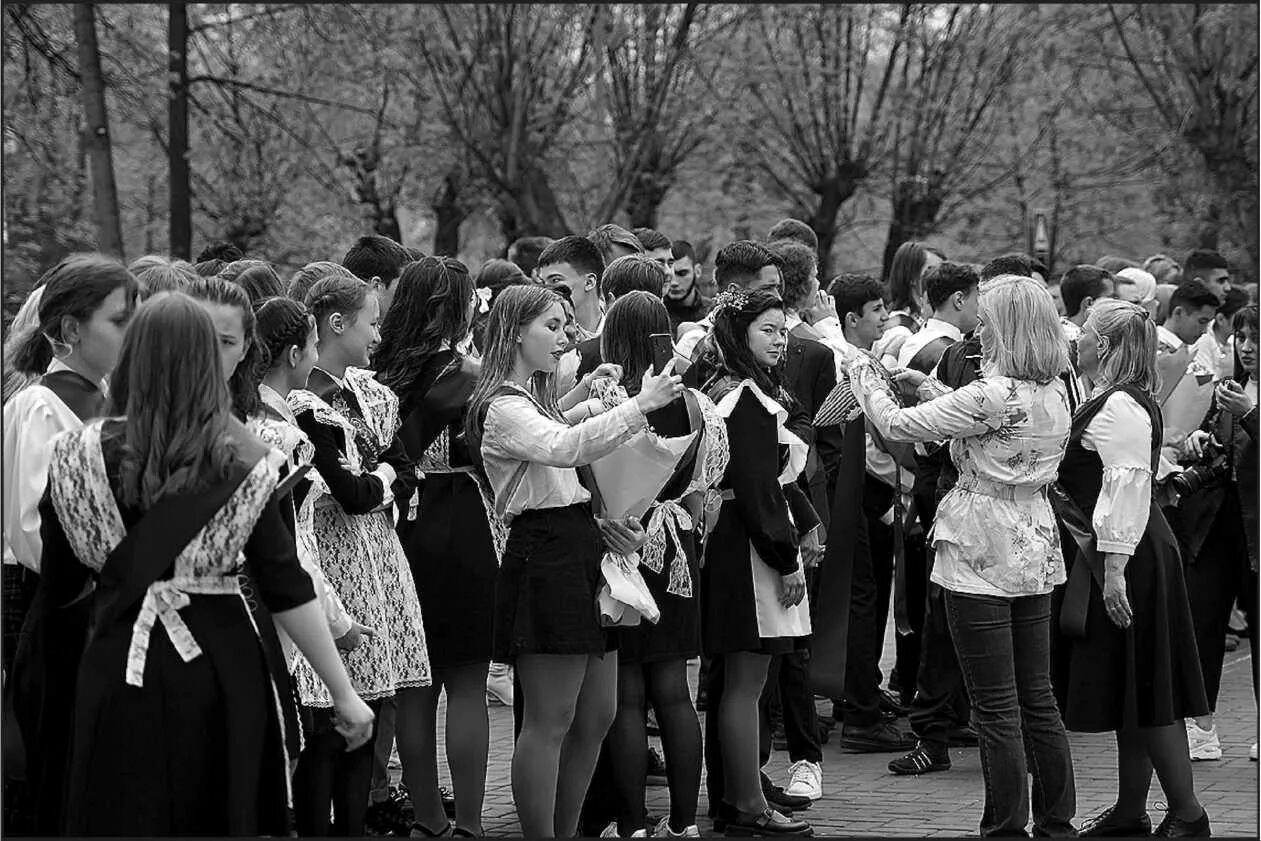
[175, 721]
[1147, 675]
[449, 543]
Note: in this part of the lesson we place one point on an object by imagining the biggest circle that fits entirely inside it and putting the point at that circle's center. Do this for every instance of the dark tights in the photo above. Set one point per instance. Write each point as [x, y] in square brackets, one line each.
[1164, 750]
[327, 775]
[665, 685]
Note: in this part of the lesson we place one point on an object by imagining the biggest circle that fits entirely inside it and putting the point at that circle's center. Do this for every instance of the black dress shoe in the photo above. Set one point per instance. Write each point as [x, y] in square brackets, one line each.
[769, 822]
[882, 737]
[782, 800]
[1175, 827]
[1107, 825]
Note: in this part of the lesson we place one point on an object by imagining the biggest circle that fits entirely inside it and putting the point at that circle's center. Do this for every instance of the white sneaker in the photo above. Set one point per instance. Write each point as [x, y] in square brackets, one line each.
[639, 833]
[1252, 753]
[805, 780]
[1203, 744]
[499, 687]
[663, 830]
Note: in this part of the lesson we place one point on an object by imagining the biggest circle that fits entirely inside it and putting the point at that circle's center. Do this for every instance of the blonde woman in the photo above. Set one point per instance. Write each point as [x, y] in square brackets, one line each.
[997, 543]
[1128, 663]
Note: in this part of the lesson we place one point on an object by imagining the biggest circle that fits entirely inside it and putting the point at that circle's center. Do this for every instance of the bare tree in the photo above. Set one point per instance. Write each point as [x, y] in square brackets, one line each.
[820, 80]
[96, 134]
[181, 208]
[507, 78]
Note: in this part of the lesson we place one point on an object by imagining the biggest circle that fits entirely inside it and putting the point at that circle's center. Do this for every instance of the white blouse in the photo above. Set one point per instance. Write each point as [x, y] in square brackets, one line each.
[1122, 436]
[517, 431]
[32, 418]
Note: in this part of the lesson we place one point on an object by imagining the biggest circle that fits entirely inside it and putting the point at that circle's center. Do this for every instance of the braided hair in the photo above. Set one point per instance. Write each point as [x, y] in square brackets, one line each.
[282, 323]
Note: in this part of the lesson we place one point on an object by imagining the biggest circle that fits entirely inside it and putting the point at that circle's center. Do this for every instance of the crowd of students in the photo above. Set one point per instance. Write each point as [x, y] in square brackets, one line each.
[254, 529]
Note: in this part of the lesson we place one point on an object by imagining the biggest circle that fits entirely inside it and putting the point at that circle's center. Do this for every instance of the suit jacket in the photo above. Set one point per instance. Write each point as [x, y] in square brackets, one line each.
[810, 375]
[589, 357]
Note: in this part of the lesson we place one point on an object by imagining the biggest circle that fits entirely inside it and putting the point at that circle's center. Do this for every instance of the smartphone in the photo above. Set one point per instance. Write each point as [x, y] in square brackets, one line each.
[662, 351]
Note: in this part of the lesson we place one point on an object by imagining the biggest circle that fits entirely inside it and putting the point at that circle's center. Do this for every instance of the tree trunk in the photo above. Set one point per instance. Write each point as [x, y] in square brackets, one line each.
[380, 209]
[833, 193]
[915, 209]
[109, 229]
[450, 215]
[532, 209]
[643, 203]
[177, 82]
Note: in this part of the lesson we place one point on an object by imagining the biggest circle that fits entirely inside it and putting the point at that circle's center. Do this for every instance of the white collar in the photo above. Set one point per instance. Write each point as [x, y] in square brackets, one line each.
[942, 328]
[1167, 337]
[791, 319]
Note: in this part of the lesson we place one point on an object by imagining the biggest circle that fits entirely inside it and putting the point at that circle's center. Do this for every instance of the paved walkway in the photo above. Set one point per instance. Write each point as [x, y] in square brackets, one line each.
[861, 798]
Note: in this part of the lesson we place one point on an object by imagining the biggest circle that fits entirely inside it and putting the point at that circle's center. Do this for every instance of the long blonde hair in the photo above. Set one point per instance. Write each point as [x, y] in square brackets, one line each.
[1132, 343]
[514, 308]
[1022, 338]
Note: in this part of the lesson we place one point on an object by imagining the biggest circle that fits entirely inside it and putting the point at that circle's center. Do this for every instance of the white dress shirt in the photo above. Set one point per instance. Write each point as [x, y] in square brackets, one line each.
[932, 330]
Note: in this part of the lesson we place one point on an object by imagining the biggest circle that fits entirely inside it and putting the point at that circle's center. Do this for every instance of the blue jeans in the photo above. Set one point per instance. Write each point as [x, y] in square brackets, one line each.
[1004, 651]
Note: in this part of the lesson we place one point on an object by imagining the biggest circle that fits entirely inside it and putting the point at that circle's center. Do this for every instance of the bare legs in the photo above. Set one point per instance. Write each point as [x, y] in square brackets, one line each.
[570, 701]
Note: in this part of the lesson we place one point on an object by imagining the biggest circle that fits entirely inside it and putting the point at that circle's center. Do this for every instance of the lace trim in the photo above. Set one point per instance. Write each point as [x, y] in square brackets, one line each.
[301, 400]
[162, 602]
[378, 402]
[81, 494]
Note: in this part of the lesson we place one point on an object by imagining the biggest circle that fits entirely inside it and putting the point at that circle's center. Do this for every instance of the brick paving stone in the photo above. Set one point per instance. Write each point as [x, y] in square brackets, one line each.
[862, 799]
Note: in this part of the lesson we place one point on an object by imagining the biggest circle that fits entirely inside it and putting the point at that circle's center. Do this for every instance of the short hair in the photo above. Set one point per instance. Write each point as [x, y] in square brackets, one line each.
[209, 268]
[1202, 259]
[608, 235]
[852, 292]
[651, 239]
[221, 250]
[1082, 282]
[945, 279]
[1113, 264]
[1132, 343]
[310, 274]
[793, 229]
[579, 252]
[256, 277]
[375, 255]
[496, 274]
[1023, 338]
[415, 253]
[634, 272]
[1135, 285]
[796, 261]
[157, 274]
[1193, 295]
[1014, 263]
[739, 262]
[1235, 300]
[681, 248]
[1039, 267]
[525, 251]
[1164, 268]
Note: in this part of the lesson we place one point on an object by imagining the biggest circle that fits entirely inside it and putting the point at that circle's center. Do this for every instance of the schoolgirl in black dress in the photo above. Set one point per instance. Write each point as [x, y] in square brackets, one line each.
[1127, 660]
[546, 616]
[653, 656]
[448, 540]
[752, 583]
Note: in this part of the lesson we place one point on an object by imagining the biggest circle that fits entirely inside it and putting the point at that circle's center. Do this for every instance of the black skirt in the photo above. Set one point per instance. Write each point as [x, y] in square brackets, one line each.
[677, 635]
[1147, 675]
[545, 595]
[452, 558]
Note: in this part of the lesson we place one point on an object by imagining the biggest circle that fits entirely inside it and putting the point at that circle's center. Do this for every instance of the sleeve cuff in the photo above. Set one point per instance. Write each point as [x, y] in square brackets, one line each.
[1115, 548]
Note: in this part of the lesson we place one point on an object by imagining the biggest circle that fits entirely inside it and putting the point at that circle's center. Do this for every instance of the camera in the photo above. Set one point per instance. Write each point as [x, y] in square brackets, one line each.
[1211, 469]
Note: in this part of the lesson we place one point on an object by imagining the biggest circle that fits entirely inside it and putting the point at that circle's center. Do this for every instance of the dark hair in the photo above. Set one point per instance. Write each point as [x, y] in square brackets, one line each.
[1201, 259]
[681, 248]
[256, 277]
[431, 306]
[627, 326]
[1036, 265]
[1233, 302]
[345, 294]
[525, 251]
[579, 252]
[414, 253]
[794, 229]
[853, 292]
[1193, 295]
[634, 272]
[904, 275]
[947, 278]
[1014, 263]
[220, 250]
[76, 287]
[312, 273]
[796, 263]
[377, 256]
[209, 268]
[739, 262]
[176, 433]
[157, 274]
[243, 385]
[1082, 282]
[651, 239]
[281, 323]
[496, 274]
[1246, 317]
[608, 235]
[731, 343]
[1113, 264]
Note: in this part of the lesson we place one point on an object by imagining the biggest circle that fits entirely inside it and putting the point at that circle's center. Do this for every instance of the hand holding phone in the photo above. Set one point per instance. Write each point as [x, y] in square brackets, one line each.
[662, 351]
